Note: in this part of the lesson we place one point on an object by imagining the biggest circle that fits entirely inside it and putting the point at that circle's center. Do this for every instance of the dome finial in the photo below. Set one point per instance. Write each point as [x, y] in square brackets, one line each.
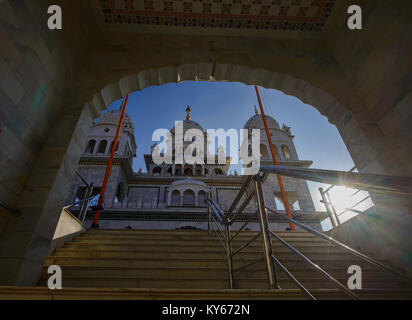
[256, 111]
[188, 110]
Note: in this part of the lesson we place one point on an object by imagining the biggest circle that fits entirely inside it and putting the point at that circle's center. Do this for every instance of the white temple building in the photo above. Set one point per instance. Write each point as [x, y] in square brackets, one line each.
[171, 196]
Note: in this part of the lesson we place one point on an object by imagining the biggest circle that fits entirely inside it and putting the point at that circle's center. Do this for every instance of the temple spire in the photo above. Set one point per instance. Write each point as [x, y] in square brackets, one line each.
[256, 111]
[188, 110]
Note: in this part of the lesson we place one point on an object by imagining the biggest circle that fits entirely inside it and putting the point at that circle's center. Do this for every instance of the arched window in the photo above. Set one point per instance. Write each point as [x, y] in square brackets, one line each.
[264, 152]
[286, 152]
[175, 201]
[170, 171]
[90, 146]
[201, 199]
[188, 171]
[218, 172]
[199, 170]
[178, 170]
[206, 171]
[102, 147]
[157, 171]
[189, 198]
[111, 147]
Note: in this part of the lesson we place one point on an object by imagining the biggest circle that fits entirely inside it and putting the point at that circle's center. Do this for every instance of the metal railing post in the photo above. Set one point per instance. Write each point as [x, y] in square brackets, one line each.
[264, 226]
[229, 255]
[87, 203]
[83, 204]
[335, 214]
[326, 203]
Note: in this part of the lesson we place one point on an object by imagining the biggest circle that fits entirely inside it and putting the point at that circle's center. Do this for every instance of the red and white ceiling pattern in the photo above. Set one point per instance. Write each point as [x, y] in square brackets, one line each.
[308, 15]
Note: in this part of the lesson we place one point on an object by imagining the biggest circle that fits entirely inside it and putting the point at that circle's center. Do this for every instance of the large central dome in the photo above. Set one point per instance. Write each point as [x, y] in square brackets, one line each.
[256, 122]
[189, 124]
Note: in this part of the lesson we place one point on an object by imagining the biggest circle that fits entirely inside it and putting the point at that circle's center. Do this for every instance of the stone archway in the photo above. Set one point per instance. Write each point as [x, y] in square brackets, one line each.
[345, 112]
[362, 153]
[78, 72]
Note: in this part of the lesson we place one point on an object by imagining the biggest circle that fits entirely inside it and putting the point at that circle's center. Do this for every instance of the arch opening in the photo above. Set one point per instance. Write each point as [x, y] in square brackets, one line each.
[176, 199]
[189, 198]
[102, 147]
[90, 146]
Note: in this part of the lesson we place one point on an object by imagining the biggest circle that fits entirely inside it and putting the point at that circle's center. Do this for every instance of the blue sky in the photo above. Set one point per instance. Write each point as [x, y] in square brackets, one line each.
[229, 105]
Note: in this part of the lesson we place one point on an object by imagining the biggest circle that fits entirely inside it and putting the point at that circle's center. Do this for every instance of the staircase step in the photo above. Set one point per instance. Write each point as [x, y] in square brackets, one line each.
[39, 293]
[192, 233]
[208, 283]
[291, 263]
[189, 259]
[167, 255]
[203, 272]
[190, 248]
[193, 242]
[206, 237]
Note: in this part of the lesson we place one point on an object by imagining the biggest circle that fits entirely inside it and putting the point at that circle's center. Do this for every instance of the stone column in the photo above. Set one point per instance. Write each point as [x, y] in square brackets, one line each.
[25, 243]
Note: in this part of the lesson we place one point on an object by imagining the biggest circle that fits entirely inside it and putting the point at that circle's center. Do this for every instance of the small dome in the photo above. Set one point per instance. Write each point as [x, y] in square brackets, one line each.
[112, 118]
[256, 122]
[189, 124]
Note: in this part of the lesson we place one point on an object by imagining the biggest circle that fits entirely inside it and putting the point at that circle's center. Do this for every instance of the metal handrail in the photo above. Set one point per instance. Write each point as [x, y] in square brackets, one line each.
[330, 208]
[291, 277]
[211, 205]
[214, 208]
[240, 230]
[217, 208]
[77, 203]
[247, 244]
[249, 264]
[85, 203]
[396, 185]
[81, 178]
[232, 216]
[341, 245]
[315, 266]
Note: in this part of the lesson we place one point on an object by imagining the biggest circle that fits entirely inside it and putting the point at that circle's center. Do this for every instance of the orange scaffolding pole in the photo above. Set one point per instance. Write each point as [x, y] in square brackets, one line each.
[109, 165]
[275, 162]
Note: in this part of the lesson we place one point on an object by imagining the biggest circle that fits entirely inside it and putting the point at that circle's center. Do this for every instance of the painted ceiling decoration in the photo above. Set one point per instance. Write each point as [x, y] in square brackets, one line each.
[302, 15]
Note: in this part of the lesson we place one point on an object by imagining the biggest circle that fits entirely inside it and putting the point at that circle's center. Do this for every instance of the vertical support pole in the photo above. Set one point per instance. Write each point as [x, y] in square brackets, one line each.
[326, 203]
[83, 204]
[87, 202]
[229, 255]
[333, 209]
[264, 226]
[275, 162]
[109, 165]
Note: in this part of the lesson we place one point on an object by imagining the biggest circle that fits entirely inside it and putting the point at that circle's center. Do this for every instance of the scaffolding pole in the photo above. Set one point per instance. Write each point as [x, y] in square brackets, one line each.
[109, 166]
[275, 162]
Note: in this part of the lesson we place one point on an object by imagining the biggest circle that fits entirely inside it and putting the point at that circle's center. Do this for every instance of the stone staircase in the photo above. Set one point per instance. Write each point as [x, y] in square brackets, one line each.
[175, 264]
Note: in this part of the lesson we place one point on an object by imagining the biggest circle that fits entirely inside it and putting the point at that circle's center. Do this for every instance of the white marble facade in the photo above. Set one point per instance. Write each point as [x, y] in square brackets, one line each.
[180, 187]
